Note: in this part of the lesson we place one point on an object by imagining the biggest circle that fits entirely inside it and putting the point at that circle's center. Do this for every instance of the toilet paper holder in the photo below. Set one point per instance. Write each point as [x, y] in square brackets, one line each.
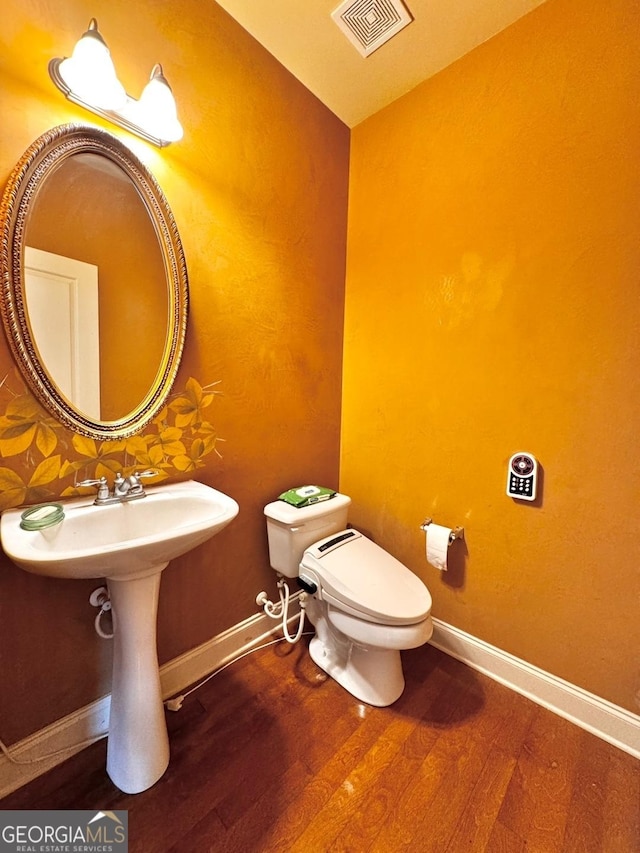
[456, 532]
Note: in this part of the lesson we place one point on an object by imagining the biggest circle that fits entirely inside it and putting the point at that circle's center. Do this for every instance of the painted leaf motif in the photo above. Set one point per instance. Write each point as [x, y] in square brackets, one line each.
[17, 438]
[188, 407]
[184, 464]
[37, 495]
[68, 467]
[186, 420]
[46, 472]
[197, 448]
[155, 458]
[85, 446]
[46, 440]
[175, 448]
[12, 489]
[171, 434]
[186, 402]
[194, 458]
[25, 427]
[107, 467]
[138, 445]
[208, 445]
[186, 413]
[161, 417]
[24, 420]
[169, 440]
[110, 446]
[205, 428]
[25, 408]
[9, 425]
[10, 480]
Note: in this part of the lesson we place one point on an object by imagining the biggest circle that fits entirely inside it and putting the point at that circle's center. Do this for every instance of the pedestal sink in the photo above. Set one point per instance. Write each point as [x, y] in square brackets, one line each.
[129, 544]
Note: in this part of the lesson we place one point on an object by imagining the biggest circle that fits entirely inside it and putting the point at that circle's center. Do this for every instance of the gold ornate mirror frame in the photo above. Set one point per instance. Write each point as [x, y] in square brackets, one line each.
[46, 154]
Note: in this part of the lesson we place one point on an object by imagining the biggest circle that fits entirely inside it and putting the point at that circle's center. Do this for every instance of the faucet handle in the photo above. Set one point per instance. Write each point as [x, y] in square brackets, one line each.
[86, 483]
[103, 488]
[134, 483]
[141, 475]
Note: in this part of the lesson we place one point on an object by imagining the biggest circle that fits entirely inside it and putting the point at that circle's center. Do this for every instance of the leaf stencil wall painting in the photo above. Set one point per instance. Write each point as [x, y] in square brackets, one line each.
[48, 461]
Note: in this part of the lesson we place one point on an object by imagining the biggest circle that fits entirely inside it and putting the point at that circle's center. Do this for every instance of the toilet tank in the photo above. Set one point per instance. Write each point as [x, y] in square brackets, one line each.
[291, 530]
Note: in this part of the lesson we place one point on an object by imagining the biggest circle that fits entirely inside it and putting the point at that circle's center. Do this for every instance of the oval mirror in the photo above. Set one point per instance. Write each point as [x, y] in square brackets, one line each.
[94, 282]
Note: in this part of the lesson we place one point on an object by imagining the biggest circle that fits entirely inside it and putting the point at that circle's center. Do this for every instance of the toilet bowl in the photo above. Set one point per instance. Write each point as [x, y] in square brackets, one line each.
[364, 604]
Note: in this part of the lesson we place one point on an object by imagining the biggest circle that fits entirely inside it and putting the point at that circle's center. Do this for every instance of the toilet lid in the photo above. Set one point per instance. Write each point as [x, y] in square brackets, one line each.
[355, 571]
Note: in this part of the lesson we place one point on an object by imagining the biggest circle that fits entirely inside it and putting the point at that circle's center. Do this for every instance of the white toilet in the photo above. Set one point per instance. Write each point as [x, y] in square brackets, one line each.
[364, 604]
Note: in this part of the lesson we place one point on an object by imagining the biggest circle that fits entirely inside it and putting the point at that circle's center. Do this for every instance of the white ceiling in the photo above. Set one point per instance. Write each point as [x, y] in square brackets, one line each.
[303, 37]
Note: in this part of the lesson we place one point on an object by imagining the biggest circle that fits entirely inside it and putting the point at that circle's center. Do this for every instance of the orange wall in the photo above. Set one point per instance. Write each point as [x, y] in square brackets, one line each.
[492, 306]
[258, 187]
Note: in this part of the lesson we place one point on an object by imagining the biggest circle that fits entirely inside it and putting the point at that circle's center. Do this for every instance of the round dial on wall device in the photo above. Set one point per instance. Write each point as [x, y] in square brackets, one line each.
[522, 465]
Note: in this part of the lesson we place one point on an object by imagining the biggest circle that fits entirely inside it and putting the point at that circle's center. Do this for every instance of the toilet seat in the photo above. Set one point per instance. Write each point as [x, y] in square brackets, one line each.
[358, 577]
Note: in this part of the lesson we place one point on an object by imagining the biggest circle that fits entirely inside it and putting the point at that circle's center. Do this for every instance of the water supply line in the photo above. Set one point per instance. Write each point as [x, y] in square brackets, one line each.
[280, 610]
[100, 598]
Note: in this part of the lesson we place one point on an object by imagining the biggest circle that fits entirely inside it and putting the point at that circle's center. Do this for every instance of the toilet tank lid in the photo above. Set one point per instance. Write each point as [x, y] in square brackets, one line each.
[356, 571]
[292, 515]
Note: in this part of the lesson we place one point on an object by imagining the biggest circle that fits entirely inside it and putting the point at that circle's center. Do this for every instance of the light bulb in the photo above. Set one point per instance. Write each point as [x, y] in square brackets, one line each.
[156, 110]
[89, 72]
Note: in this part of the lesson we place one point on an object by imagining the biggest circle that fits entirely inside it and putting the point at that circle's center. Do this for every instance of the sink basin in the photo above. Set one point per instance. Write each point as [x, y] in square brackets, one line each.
[129, 544]
[123, 540]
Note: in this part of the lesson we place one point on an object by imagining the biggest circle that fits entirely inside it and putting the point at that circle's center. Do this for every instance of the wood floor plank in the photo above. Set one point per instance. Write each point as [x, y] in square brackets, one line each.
[584, 829]
[621, 813]
[240, 745]
[400, 830]
[537, 801]
[271, 755]
[504, 840]
[208, 759]
[475, 827]
[335, 826]
[291, 822]
[484, 732]
[363, 827]
[256, 830]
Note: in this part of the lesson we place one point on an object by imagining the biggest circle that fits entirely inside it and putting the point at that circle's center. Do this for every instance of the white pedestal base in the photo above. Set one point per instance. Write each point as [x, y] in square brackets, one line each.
[138, 743]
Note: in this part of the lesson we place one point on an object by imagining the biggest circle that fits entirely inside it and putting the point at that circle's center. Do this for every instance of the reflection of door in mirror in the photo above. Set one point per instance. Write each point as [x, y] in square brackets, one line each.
[89, 209]
[62, 303]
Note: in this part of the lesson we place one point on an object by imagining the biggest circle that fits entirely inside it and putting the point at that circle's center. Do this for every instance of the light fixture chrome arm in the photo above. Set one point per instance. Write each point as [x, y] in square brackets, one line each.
[88, 79]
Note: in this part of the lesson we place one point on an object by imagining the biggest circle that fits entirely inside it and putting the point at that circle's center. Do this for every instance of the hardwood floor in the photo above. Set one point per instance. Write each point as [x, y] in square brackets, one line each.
[271, 755]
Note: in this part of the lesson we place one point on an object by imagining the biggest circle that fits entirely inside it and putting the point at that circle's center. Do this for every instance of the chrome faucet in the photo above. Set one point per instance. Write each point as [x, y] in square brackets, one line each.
[124, 489]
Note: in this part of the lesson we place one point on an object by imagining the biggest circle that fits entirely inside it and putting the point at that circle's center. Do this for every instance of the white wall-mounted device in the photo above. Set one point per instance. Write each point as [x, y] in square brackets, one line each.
[522, 476]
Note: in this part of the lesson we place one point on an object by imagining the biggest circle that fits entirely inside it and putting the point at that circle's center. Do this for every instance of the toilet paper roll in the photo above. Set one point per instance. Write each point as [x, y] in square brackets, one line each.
[438, 545]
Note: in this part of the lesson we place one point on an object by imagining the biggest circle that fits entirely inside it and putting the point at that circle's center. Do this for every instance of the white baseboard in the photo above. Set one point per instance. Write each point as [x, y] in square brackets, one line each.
[210, 656]
[603, 719]
[70, 734]
[60, 741]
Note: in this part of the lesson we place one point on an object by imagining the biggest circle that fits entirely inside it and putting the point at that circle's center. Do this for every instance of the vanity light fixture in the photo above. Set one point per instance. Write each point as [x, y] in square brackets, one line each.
[88, 78]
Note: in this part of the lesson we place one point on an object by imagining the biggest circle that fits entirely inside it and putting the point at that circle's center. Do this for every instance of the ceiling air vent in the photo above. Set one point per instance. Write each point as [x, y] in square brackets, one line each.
[368, 24]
